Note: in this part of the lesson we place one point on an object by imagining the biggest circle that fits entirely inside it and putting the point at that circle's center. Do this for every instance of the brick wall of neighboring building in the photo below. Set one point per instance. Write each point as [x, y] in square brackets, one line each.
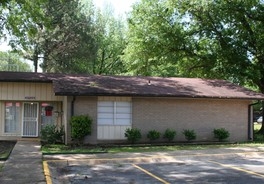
[202, 115]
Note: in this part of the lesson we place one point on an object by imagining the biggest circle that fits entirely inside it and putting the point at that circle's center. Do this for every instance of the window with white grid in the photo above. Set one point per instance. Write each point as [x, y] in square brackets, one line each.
[114, 113]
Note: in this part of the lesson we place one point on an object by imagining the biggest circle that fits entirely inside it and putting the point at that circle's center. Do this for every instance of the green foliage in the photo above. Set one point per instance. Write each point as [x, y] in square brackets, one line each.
[68, 37]
[52, 134]
[155, 39]
[153, 135]
[80, 127]
[55, 31]
[110, 37]
[189, 134]
[13, 62]
[169, 134]
[60, 32]
[133, 134]
[221, 134]
[258, 137]
[194, 38]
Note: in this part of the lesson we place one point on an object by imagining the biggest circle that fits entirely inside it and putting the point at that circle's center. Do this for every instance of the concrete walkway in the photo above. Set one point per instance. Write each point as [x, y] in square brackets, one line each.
[24, 165]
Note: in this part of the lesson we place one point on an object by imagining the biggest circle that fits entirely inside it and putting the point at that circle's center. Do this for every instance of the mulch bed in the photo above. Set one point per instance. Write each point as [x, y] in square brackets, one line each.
[5, 149]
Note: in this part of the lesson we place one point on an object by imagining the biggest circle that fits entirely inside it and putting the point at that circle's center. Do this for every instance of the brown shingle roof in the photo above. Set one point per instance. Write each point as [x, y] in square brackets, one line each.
[24, 77]
[96, 85]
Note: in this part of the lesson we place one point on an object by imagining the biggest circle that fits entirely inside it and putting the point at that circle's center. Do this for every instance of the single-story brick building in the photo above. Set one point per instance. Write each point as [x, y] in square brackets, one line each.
[29, 101]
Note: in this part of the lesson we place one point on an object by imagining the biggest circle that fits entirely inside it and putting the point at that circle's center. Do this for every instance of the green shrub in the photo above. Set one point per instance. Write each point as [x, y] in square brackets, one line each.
[258, 137]
[169, 134]
[51, 134]
[80, 127]
[221, 134]
[133, 134]
[189, 134]
[153, 135]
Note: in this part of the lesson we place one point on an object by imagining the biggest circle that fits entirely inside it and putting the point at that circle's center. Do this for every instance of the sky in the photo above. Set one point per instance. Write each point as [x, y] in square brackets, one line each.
[121, 7]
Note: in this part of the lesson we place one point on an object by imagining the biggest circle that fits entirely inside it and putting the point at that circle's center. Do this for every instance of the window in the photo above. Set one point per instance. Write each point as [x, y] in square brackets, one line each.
[12, 117]
[114, 113]
[47, 114]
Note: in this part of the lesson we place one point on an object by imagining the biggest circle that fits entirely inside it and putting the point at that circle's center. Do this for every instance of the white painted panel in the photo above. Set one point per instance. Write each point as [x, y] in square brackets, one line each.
[106, 132]
[102, 121]
[111, 133]
[123, 130]
[122, 122]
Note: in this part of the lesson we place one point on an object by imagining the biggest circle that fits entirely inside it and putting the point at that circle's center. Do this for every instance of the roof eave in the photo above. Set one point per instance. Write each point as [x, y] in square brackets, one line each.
[155, 95]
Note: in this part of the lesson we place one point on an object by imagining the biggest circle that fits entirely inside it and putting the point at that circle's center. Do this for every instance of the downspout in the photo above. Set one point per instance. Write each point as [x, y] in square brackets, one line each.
[72, 105]
[250, 126]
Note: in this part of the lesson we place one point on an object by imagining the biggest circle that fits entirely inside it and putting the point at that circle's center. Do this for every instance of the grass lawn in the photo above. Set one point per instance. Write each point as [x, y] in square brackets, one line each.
[63, 149]
[68, 149]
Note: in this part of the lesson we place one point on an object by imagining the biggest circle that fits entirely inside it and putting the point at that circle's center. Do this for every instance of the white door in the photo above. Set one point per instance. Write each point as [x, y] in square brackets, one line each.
[30, 119]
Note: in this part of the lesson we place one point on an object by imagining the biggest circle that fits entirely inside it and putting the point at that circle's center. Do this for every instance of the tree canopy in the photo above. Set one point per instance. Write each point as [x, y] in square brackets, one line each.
[193, 38]
[66, 36]
[189, 38]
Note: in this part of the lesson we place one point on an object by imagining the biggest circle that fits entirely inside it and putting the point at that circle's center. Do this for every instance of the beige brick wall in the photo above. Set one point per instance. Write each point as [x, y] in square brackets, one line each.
[202, 115]
[87, 106]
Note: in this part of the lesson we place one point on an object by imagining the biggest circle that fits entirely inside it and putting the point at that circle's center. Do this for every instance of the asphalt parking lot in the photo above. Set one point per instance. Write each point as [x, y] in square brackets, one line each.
[205, 166]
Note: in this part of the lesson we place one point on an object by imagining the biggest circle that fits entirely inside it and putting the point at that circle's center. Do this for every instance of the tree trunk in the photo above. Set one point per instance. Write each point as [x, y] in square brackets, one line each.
[35, 59]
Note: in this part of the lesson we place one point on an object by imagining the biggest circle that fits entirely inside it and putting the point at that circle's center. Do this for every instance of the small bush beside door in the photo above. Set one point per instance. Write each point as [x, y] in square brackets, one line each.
[80, 127]
[52, 134]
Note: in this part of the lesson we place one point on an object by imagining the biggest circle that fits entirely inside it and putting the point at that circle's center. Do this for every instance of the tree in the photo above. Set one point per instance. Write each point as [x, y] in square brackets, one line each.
[193, 38]
[13, 62]
[155, 39]
[69, 42]
[21, 20]
[66, 36]
[54, 31]
[212, 39]
[235, 31]
[111, 41]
